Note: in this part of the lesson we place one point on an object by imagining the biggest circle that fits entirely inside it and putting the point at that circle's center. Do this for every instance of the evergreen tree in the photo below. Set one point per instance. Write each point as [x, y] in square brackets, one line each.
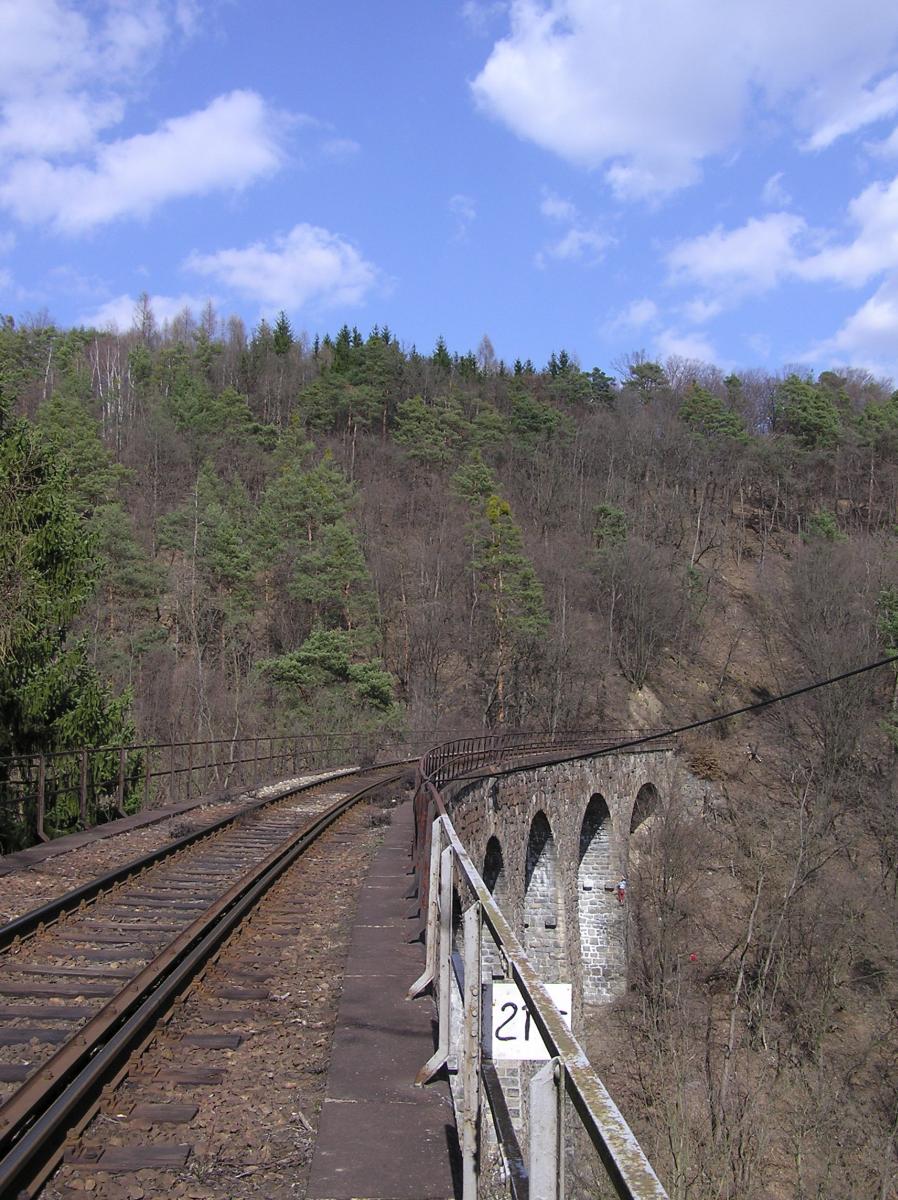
[318, 678]
[609, 526]
[282, 338]
[646, 377]
[709, 417]
[808, 413]
[305, 535]
[431, 433]
[532, 421]
[51, 698]
[602, 387]
[517, 609]
[308, 541]
[474, 482]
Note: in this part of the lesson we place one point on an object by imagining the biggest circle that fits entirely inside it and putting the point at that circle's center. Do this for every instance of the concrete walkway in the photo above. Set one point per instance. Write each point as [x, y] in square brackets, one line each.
[380, 1137]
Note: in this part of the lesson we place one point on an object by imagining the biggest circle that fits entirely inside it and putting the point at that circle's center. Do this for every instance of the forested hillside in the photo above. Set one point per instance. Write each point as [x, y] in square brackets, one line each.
[210, 533]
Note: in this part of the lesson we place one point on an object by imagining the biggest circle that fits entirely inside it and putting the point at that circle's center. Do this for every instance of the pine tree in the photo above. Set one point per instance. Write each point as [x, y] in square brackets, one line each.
[282, 339]
[431, 433]
[515, 594]
[808, 413]
[709, 417]
[441, 357]
[51, 698]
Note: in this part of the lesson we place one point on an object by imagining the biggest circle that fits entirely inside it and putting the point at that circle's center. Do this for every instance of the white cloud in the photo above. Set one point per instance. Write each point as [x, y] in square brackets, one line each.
[63, 68]
[701, 310]
[57, 124]
[672, 344]
[875, 248]
[308, 266]
[557, 209]
[479, 15]
[868, 106]
[577, 245]
[187, 15]
[869, 337]
[67, 73]
[647, 90]
[340, 148]
[773, 194]
[755, 256]
[888, 147]
[229, 144]
[118, 313]
[636, 315]
[581, 242]
[464, 209]
[765, 251]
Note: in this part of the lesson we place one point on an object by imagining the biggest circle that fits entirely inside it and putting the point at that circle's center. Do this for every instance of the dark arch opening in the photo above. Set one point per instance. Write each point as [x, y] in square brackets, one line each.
[494, 878]
[645, 804]
[493, 866]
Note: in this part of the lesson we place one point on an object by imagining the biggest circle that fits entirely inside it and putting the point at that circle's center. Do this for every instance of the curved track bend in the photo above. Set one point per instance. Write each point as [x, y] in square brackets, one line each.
[85, 980]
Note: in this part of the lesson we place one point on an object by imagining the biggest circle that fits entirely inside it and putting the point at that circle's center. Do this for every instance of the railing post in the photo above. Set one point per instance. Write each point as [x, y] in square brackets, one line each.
[547, 1132]
[41, 798]
[441, 1054]
[172, 798]
[147, 771]
[120, 790]
[431, 937]
[470, 1131]
[189, 767]
[82, 789]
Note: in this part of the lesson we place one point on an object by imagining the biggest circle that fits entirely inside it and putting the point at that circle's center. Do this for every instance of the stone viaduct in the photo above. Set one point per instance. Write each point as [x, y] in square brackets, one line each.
[553, 843]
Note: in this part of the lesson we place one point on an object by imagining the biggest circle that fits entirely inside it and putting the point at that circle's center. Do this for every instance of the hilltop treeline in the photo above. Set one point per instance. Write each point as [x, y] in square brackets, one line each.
[349, 530]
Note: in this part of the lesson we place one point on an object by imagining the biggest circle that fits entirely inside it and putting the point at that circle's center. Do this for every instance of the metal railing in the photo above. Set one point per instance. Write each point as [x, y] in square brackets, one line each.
[498, 751]
[45, 795]
[566, 1088]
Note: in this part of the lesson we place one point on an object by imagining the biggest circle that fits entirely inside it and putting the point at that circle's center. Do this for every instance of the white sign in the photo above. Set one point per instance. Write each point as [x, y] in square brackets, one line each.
[510, 1033]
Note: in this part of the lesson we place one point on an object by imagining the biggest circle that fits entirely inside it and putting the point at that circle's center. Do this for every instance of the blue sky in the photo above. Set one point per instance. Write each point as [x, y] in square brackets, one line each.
[703, 179]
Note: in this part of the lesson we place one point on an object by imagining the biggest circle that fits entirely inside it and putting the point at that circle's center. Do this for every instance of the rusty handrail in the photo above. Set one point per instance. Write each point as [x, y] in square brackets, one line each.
[45, 794]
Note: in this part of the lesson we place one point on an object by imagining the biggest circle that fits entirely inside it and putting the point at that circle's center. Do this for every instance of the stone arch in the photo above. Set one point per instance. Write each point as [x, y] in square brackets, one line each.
[543, 911]
[644, 805]
[596, 907]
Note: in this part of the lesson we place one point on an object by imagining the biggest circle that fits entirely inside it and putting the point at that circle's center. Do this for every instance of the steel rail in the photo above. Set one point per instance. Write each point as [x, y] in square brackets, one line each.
[37, 1118]
[35, 919]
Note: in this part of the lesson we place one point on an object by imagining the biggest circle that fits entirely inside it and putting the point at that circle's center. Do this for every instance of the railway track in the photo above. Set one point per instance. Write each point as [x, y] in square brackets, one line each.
[85, 981]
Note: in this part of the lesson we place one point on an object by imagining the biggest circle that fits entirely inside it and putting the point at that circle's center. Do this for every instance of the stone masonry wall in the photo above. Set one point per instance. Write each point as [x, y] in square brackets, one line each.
[574, 821]
[598, 910]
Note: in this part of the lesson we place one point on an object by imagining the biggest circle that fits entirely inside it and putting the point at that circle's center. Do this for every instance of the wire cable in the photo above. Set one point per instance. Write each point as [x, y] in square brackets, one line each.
[673, 731]
[751, 708]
